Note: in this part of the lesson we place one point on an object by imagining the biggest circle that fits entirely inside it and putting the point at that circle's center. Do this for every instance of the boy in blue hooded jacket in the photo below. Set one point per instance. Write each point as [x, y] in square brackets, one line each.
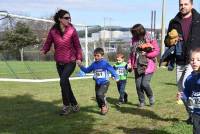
[191, 91]
[101, 69]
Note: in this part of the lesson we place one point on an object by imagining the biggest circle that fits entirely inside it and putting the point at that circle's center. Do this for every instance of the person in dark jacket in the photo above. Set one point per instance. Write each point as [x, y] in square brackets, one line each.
[67, 52]
[169, 58]
[187, 24]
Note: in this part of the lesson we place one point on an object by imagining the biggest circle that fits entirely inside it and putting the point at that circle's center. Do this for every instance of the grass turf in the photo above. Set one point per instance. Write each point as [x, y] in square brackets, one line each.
[32, 108]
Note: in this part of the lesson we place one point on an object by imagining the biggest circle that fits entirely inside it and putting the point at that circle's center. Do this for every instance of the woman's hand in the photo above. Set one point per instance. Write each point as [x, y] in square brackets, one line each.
[143, 53]
[42, 52]
[78, 62]
[179, 95]
[129, 66]
[117, 80]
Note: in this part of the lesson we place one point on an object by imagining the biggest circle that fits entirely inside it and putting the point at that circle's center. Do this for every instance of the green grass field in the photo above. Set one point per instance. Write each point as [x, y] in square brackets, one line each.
[32, 108]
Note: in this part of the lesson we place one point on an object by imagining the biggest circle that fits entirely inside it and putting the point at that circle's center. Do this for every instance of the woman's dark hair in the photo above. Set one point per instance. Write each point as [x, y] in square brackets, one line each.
[138, 31]
[59, 14]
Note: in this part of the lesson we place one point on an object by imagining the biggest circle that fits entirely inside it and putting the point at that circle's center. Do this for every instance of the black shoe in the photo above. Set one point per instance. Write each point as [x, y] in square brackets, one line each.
[119, 104]
[189, 121]
[125, 97]
[75, 108]
[65, 111]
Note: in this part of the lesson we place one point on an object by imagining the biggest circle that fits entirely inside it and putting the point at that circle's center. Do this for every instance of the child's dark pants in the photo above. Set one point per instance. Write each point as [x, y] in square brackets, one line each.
[100, 94]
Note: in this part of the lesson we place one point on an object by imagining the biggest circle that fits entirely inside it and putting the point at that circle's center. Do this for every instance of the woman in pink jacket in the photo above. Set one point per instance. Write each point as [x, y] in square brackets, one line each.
[67, 52]
[142, 60]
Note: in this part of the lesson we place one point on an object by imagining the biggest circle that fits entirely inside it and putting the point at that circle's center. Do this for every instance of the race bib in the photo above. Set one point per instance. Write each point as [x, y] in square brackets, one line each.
[195, 100]
[100, 74]
[120, 71]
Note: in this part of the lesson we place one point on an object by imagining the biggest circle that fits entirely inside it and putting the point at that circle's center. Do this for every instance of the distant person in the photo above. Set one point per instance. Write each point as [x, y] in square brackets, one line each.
[142, 60]
[192, 90]
[100, 68]
[67, 52]
[186, 23]
[122, 70]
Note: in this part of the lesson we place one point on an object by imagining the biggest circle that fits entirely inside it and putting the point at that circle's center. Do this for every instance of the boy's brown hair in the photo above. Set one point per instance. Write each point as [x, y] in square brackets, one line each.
[120, 55]
[99, 50]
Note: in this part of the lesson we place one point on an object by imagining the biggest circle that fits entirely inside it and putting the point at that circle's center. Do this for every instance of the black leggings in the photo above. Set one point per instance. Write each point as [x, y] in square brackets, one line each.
[64, 71]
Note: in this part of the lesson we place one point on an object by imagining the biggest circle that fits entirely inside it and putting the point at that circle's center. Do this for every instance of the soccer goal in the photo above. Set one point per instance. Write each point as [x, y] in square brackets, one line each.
[25, 64]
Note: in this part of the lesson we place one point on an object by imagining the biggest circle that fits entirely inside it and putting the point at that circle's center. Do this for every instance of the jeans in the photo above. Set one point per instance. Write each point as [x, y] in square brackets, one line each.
[143, 86]
[121, 89]
[100, 94]
[64, 71]
[196, 124]
[182, 72]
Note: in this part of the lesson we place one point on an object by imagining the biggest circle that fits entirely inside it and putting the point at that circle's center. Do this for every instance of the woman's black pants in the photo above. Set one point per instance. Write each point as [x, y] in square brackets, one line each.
[64, 71]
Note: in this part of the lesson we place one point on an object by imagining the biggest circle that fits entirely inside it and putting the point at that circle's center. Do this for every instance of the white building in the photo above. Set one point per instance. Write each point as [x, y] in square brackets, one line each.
[111, 35]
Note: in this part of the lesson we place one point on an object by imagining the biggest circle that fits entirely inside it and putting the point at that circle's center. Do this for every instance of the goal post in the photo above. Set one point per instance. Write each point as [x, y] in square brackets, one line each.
[9, 15]
[28, 70]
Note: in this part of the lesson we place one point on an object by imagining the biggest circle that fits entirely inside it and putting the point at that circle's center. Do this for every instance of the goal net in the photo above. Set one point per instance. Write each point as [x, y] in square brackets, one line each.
[25, 63]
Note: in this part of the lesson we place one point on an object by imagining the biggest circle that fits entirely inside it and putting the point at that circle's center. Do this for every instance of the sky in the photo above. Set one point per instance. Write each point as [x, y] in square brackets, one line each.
[123, 13]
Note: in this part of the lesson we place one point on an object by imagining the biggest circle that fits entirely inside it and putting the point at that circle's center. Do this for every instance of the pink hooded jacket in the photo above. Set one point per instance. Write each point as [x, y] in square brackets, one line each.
[151, 66]
[67, 47]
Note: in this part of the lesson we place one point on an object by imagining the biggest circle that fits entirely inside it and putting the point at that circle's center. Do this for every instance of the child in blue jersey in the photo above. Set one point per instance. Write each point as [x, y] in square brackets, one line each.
[192, 90]
[121, 68]
[100, 68]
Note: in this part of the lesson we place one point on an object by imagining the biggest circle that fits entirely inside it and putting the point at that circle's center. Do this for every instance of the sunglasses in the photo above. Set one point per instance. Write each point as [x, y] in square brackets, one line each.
[66, 18]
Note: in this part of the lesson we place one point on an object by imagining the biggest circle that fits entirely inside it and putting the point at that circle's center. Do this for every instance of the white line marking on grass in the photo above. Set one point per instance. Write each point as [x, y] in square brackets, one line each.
[42, 80]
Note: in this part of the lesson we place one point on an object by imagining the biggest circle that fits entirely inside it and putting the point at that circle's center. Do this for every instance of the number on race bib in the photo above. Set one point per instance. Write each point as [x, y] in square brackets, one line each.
[121, 71]
[195, 101]
[100, 74]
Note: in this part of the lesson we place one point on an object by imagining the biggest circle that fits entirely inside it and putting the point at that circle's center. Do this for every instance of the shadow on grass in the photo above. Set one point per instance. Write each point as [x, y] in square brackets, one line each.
[114, 101]
[131, 77]
[142, 131]
[23, 114]
[171, 84]
[139, 111]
